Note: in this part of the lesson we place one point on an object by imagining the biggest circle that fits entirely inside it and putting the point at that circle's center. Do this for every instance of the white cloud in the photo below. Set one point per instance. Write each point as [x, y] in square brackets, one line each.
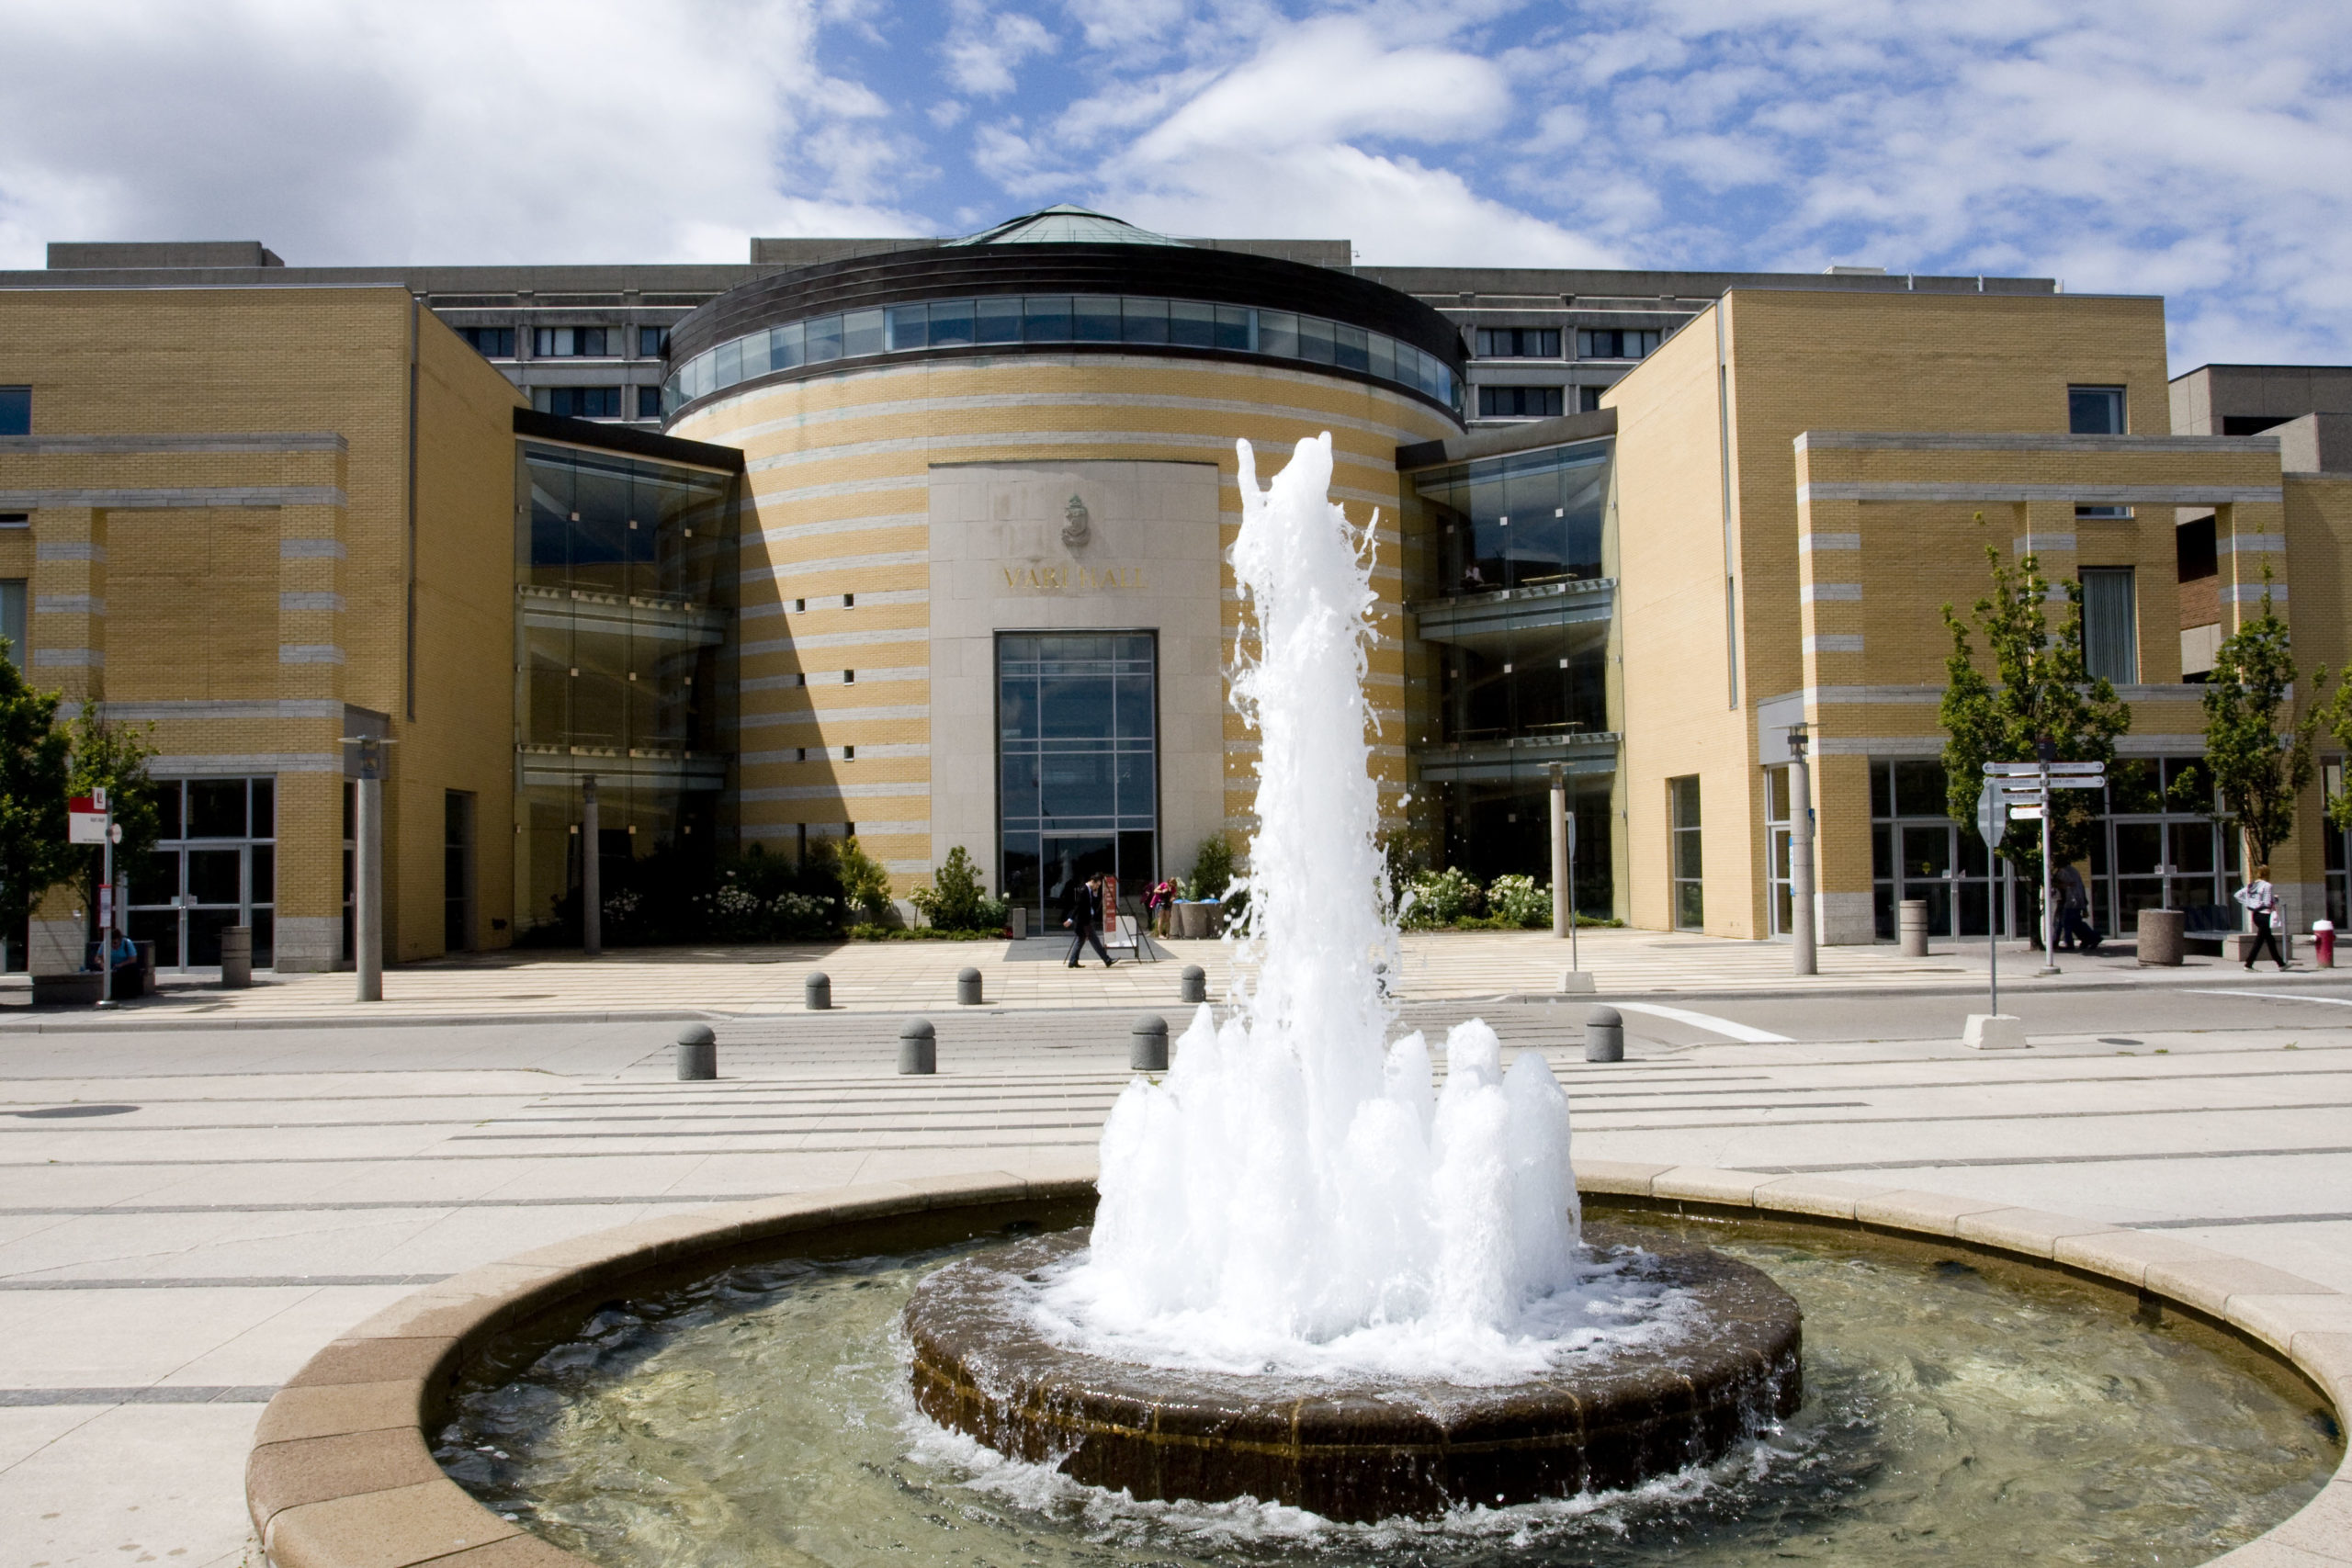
[444, 131]
[1331, 80]
[985, 48]
[1399, 212]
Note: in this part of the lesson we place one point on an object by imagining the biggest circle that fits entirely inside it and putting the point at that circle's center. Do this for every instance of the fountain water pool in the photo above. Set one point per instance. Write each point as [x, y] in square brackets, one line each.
[1313, 1277]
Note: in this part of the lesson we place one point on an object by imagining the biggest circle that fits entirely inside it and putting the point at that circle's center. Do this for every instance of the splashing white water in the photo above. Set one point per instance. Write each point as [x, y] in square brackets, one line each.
[1296, 1197]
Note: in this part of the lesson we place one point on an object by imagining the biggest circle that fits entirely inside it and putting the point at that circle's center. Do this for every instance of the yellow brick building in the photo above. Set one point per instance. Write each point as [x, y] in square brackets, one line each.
[933, 550]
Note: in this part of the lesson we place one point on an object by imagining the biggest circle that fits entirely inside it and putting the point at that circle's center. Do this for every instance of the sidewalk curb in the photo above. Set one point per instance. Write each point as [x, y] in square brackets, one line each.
[118, 1024]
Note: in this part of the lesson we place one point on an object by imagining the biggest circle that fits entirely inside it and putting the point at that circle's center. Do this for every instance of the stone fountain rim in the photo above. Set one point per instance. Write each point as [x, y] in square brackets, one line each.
[341, 1473]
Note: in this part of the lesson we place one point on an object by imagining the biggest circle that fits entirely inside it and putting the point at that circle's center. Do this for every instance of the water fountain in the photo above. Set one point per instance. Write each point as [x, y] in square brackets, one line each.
[1312, 1278]
[1324, 1312]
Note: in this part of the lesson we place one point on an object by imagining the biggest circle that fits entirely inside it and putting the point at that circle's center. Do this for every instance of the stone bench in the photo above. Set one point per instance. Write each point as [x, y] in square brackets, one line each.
[2236, 946]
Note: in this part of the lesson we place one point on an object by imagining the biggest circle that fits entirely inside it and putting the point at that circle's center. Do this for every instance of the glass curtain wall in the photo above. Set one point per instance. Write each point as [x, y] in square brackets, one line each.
[216, 867]
[1519, 521]
[1078, 755]
[624, 607]
[1496, 821]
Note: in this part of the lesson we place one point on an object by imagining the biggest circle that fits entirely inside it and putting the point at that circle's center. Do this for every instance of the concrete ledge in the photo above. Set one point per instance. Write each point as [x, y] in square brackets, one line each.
[342, 1472]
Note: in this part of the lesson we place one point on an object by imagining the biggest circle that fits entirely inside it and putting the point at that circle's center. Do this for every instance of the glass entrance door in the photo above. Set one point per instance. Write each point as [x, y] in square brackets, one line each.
[216, 867]
[1078, 764]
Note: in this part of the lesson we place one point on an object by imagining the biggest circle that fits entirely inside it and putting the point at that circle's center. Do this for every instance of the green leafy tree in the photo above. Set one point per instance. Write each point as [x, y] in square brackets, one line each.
[863, 882]
[2038, 689]
[113, 757]
[1213, 867]
[2258, 769]
[956, 900]
[34, 855]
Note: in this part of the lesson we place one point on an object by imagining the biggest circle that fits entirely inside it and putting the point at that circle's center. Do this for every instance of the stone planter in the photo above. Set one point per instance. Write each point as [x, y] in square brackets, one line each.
[79, 990]
[2160, 932]
[1911, 925]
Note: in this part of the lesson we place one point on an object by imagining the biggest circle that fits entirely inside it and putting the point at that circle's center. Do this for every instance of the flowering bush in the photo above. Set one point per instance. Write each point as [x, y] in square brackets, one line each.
[1520, 901]
[1439, 898]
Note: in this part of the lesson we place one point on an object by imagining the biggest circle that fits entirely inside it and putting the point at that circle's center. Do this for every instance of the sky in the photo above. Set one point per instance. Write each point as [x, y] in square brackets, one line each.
[2201, 151]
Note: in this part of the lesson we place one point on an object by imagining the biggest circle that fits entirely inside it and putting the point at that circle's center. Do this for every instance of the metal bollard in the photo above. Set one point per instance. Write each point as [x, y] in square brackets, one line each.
[1147, 1044]
[816, 991]
[1192, 984]
[1604, 1035]
[918, 1046]
[697, 1053]
[967, 988]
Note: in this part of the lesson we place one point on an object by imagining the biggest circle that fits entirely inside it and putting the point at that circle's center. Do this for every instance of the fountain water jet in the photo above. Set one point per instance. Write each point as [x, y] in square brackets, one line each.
[1313, 1279]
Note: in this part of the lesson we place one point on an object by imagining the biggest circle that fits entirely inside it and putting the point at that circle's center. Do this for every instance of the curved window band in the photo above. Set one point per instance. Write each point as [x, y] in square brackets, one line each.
[1060, 319]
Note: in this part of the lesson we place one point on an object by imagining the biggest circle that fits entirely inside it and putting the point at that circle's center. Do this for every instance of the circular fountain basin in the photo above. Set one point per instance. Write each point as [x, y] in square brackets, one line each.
[1355, 1450]
[633, 1398]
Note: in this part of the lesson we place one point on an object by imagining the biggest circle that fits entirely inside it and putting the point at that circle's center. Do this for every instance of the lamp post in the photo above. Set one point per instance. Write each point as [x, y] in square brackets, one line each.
[1564, 863]
[368, 865]
[592, 872]
[1804, 960]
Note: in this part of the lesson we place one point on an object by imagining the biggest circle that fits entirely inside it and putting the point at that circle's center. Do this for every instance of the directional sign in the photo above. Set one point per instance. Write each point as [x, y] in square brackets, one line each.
[2025, 814]
[2034, 770]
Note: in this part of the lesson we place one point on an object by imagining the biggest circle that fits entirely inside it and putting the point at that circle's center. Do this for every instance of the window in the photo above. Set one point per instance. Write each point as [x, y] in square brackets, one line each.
[578, 403]
[1615, 342]
[1518, 402]
[649, 402]
[2110, 624]
[1519, 342]
[491, 343]
[652, 342]
[568, 343]
[1588, 400]
[12, 618]
[1689, 902]
[15, 410]
[2095, 410]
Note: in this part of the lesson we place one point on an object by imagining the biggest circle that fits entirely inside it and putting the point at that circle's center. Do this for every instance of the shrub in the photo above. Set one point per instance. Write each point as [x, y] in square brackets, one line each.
[1440, 899]
[1212, 868]
[864, 883]
[956, 901]
[1520, 901]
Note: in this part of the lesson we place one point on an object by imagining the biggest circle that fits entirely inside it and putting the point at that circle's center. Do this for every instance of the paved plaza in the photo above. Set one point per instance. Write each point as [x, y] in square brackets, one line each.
[187, 1213]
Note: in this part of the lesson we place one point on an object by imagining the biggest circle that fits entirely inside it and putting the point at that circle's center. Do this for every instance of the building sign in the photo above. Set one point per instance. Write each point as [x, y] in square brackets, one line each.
[85, 818]
[1072, 579]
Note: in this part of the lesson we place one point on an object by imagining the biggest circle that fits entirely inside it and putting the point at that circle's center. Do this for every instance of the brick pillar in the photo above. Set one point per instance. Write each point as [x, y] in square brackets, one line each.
[311, 671]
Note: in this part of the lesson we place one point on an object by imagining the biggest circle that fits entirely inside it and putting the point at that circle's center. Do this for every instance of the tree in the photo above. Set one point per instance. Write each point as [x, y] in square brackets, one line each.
[113, 757]
[863, 882]
[34, 855]
[2039, 689]
[957, 900]
[2258, 769]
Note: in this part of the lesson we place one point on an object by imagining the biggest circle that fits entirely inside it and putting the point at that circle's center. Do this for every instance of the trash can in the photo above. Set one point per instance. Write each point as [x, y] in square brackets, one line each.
[2323, 943]
[237, 958]
[2160, 932]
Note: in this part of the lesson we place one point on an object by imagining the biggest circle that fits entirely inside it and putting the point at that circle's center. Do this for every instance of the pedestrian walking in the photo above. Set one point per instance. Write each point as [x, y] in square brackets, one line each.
[2075, 928]
[2261, 901]
[1082, 913]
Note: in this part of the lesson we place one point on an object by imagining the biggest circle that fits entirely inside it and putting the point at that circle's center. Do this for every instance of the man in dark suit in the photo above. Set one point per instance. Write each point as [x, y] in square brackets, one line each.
[1082, 913]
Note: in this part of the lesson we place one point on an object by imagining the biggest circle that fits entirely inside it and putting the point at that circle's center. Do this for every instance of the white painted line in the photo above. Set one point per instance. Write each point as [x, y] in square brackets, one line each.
[1710, 1023]
[2275, 996]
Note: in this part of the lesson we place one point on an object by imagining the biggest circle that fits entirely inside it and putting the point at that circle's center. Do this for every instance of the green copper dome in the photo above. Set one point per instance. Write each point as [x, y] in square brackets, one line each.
[1063, 224]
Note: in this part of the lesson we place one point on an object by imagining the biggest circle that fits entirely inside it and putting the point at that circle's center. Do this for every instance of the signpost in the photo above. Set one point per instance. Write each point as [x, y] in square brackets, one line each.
[1992, 828]
[2025, 788]
[90, 820]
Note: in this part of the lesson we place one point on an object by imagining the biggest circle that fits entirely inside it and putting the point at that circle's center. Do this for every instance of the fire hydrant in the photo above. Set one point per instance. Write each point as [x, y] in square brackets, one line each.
[2324, 943]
